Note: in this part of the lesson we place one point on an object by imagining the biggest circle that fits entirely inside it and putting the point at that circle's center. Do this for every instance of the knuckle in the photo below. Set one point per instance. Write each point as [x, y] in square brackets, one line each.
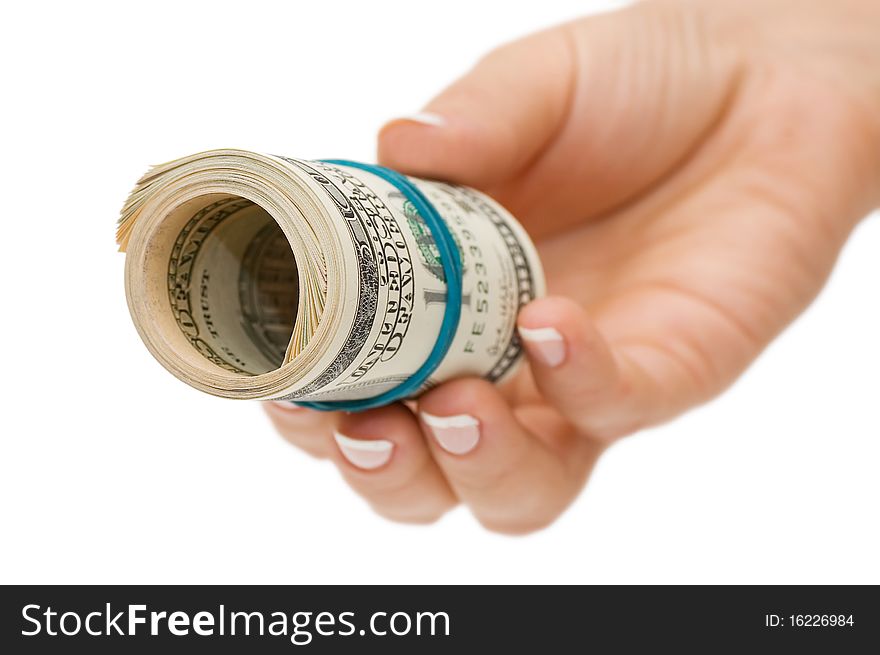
[418, 514]
[528, 511]
[517, 526]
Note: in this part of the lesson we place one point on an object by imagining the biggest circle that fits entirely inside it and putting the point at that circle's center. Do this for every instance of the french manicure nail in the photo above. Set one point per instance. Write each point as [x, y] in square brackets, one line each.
[457, 434]
[364, 453]
[545, 344]
[425, 118]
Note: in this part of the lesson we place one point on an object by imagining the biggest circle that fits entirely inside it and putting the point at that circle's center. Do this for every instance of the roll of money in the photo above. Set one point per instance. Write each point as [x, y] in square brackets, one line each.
[333, 284]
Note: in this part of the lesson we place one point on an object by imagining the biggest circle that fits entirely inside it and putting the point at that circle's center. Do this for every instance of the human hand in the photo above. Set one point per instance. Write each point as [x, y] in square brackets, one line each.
[689, 172]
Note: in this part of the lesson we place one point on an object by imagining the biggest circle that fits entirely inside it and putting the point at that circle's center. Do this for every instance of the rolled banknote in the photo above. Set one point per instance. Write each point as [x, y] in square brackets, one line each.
[333, 284]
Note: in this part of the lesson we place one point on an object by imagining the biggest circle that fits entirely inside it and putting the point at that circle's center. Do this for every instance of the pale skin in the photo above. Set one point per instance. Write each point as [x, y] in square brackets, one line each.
[689, 172]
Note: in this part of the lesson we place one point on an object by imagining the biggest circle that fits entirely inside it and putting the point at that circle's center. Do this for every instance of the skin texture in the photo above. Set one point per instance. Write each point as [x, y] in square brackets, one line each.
[689, 172]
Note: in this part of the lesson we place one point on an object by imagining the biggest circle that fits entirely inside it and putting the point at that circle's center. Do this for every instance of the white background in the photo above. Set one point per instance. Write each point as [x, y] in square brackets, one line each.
[113, 471]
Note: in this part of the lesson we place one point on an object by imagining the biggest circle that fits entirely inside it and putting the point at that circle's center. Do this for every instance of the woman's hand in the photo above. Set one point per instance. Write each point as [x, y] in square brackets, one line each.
[690, 171]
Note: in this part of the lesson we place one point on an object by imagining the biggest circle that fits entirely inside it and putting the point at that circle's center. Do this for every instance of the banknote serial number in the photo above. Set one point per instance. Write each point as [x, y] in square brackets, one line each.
[809, 621]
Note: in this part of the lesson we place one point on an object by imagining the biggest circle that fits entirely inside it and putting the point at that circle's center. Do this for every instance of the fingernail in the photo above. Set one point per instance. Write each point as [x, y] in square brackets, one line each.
[287, 405]
[545, 344]
[364, 453]
[425, 118]
[456, 434]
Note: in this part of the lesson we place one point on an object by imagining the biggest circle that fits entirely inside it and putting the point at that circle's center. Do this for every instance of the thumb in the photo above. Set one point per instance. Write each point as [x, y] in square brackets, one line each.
[590, 381]
[577, 120]
[493, 121]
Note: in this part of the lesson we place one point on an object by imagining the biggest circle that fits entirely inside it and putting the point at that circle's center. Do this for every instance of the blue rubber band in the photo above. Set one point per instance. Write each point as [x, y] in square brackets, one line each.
[450, 260]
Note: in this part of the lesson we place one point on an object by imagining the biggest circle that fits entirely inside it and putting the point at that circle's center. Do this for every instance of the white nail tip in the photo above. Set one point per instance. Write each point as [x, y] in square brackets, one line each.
[363, 445]
[425, 118]
[540, 334]
[457, 421]
[365, 454]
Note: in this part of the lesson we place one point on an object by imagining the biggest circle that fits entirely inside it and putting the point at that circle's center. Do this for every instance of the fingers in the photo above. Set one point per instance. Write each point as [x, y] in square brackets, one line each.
[516, 471]
[306, 429]
[382, 454]
[490, 122]
[577, 372]
[512, 481]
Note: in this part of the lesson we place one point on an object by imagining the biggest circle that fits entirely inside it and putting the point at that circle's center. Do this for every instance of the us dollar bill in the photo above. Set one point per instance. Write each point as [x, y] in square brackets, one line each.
[266, 277]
